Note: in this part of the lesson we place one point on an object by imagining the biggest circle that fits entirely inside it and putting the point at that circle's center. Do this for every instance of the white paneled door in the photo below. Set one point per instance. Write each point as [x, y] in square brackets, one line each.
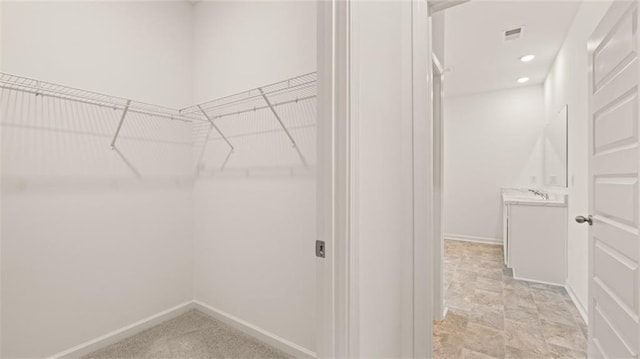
[614, 242]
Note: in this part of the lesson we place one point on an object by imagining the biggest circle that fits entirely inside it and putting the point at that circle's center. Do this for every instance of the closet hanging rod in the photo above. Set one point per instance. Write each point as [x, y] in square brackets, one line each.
[301, 95]
[297, 83]
[177, 117]
[263, 107]
[48, 89]
[293, 82]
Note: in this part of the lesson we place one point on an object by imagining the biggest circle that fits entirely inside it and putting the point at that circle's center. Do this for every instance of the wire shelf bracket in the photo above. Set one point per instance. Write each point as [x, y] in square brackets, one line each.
[216, 127]
[200, 163]
[275, 114]
[124, 115]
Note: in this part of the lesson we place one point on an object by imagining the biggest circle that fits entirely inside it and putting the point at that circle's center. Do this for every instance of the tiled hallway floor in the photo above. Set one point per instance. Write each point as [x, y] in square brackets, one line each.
[492, 315]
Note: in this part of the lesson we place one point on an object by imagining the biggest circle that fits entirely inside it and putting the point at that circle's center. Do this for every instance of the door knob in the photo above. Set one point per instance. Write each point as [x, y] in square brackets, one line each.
[582, 219]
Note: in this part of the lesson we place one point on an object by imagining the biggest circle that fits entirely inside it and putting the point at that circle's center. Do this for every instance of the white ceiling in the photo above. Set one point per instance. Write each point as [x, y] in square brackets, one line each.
[480, 60]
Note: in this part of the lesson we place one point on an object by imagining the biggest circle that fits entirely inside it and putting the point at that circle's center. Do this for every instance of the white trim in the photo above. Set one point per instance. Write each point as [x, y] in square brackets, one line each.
[574, 298]
[444, 312]
[255, 331]
[475, 239]
[137, 327]
[325, 323]
[515, 276]
[438, 188]
[124, 332]
[352, 145]
[336, 329]
[422, 180]
[441, 5]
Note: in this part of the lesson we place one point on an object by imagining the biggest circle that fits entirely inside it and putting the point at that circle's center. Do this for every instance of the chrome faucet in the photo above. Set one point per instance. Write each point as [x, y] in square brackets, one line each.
[541, 194]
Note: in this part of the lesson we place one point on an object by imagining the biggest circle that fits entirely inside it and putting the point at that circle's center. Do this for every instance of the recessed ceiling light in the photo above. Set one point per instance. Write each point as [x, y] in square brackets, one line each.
[523, 80]
[527, 58]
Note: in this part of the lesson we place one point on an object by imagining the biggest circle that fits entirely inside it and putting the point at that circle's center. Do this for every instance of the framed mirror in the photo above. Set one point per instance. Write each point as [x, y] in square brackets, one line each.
[555, 149]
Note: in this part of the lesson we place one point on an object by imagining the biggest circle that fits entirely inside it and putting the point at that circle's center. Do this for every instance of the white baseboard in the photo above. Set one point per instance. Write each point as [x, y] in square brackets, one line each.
[256, 332]
[577, 302]
[516, 276]
[440, 313]
[124, 332]
[475, 239]
[135, 328]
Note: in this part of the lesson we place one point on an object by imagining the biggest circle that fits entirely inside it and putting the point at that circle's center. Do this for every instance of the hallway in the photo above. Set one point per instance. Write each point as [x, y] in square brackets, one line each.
[492, 315]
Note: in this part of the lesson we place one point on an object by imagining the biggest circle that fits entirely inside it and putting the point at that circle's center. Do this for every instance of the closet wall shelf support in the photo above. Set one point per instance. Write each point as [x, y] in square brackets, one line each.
[216, 127]
[275, 113]
[124, 114]
[200, 163]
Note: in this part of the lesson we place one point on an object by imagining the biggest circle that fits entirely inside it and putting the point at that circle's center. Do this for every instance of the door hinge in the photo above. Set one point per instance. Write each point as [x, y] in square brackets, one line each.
[320, 249]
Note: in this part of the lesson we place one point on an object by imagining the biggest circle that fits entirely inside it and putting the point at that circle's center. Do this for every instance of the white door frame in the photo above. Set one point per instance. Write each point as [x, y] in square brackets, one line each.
[439, 308]
[337, 285]
[422, 180]
[441, 5]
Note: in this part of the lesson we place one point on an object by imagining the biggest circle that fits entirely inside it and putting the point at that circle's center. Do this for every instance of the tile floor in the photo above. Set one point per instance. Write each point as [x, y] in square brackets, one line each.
[492, 315]
[192, 335]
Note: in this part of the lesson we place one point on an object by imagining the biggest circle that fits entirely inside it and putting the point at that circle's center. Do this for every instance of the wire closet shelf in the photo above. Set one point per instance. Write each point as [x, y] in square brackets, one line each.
[48, 89]
[266, 98]
[296, 89]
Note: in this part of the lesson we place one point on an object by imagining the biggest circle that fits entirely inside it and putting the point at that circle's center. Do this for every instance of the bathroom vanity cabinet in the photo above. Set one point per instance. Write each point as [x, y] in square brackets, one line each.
[535, 232]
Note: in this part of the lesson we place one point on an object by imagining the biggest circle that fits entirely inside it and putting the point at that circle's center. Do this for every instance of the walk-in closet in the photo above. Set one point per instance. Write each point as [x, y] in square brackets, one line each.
[215, 179]
[158, 167]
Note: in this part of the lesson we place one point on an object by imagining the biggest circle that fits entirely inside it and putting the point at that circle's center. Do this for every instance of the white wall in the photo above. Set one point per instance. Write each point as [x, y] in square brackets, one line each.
[382, 107]
[255, 220]
[555, 149]
[492, 141]
[1, 119]
[146, 58]
[254, 43]
[567, 84]
[87, 247]
[438, 27]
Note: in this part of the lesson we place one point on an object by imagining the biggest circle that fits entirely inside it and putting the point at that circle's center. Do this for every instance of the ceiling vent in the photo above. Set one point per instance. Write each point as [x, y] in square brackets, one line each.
[514, 34]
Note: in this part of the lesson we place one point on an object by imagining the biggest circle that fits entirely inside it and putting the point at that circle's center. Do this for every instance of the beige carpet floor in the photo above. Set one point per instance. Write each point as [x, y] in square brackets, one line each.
[192, 335]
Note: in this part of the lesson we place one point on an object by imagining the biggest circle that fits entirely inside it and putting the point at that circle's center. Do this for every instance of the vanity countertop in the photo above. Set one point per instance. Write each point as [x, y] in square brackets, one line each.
[520, 196]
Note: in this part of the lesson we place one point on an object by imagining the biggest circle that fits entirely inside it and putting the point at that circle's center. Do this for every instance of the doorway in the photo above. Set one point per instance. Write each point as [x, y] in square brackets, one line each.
[489, 137]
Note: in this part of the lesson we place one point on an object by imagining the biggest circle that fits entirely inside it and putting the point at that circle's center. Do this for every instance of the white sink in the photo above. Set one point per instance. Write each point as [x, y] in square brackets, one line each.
[523, 196]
